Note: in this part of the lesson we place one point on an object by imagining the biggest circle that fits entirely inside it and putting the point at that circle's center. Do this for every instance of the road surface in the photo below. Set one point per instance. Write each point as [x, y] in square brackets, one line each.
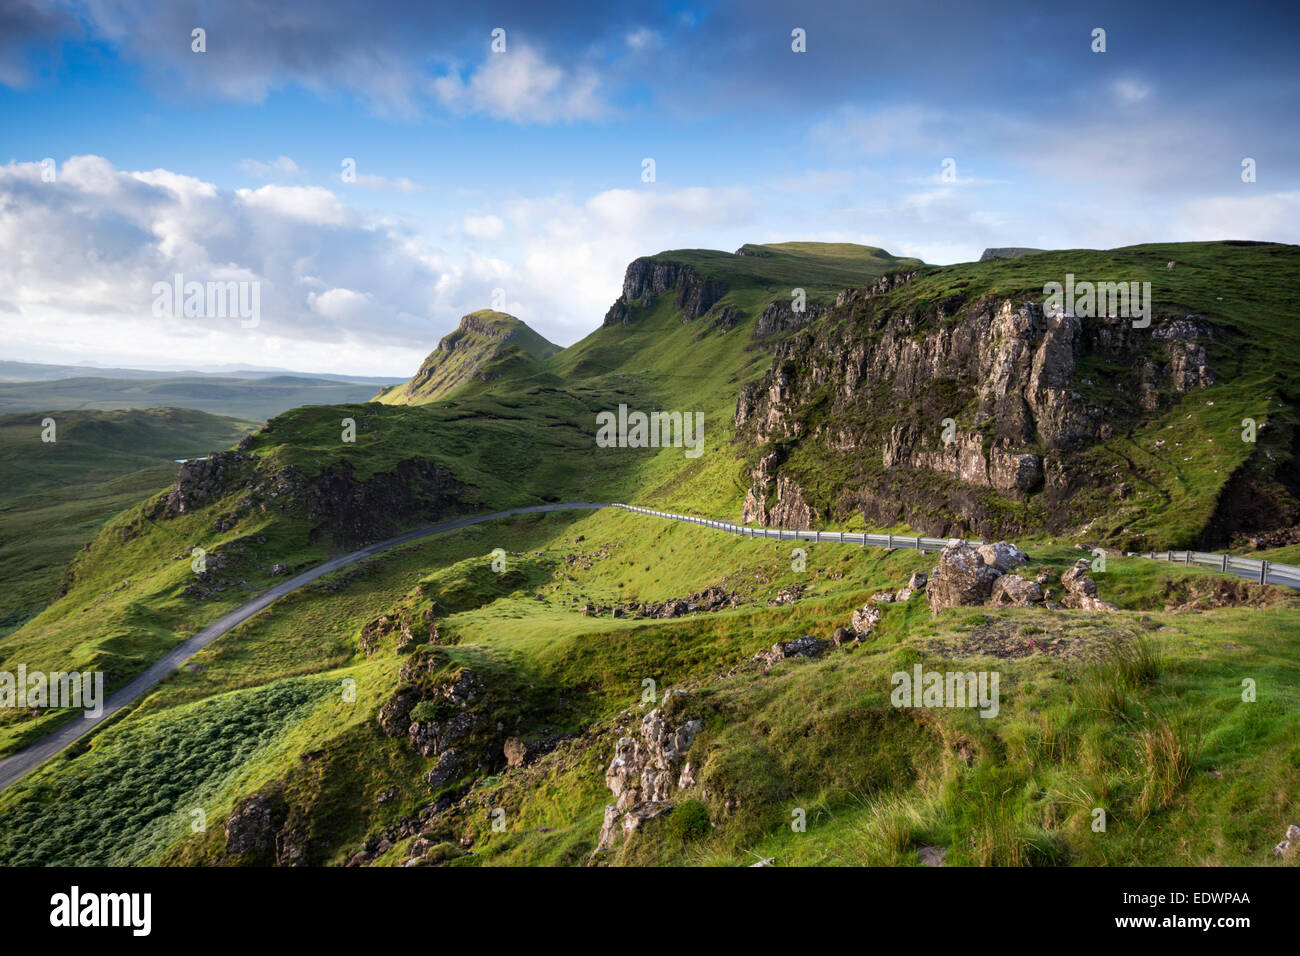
[16, 766]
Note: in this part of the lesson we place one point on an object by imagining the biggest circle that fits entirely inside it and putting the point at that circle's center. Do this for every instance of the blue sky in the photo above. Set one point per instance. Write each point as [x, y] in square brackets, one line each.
[521, 171]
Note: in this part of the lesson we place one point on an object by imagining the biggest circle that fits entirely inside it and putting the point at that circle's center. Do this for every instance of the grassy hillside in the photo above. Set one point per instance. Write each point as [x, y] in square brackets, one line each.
[56, 495]
[486, 345]
[1182, 766]
[1138, 712]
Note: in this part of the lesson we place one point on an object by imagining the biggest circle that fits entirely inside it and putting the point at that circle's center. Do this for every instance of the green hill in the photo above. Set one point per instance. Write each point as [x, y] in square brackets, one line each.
[485, 346]
[55, 495]
[827, 375]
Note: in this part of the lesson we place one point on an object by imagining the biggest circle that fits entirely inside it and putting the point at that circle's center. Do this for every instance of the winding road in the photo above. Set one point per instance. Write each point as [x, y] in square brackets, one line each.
[13, 768]
[16, 766]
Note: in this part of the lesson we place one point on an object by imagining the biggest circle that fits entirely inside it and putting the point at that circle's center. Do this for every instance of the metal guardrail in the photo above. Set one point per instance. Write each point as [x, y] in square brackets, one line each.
[865, 540]
[1264, 572]
[1260, 571]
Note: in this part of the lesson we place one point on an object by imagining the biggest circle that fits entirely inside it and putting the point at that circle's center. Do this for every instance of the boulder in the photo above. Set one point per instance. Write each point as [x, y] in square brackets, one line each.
[1081, 589]
[516, 752]
[1012, 589]
[1002, 555]
[806, 646]
[961, 578]
[865, 619]
[1290, 845]
[843, 636]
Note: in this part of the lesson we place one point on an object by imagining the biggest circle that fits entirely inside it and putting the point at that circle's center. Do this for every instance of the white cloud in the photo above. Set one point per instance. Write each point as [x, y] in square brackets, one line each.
[340, 291]
[282, 166]
[1130, 91]
[313, 204]
[1270, 216]
[521, 85]
[339, 304]
[369, 181]
[643, 38]
[484, 227]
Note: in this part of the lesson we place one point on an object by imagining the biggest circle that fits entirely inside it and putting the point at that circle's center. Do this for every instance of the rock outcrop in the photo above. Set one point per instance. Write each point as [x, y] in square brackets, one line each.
[957, 398]
[1081, 589]
[650, 770]
[647, 278]
[345, 509]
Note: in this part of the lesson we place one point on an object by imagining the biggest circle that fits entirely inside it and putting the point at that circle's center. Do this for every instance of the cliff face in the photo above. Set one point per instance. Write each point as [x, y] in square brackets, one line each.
[341, 508]
[945, 420]
[646, 278]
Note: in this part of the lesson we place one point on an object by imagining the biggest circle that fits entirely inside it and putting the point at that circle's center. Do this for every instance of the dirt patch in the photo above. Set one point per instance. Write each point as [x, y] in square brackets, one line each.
[1073, 639]
[1206, 594]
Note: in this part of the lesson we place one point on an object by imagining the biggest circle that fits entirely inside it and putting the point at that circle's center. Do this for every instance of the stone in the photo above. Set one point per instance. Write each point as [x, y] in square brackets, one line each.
[843, 636]
[961, 578]
[648, 771]
[1081, 589]
[1002, 555]
[865, 619]
[1012, 589]
[516, 752]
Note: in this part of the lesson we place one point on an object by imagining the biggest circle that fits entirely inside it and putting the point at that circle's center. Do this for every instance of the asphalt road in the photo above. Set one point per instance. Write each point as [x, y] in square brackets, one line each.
[16, 766]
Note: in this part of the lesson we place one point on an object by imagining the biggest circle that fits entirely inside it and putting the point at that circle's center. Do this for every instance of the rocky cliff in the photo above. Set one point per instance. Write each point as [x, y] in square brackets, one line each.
[958, 417]
[648, 277]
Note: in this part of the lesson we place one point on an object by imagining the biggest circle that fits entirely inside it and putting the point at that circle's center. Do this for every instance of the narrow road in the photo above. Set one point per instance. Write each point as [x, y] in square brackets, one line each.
[16, 766]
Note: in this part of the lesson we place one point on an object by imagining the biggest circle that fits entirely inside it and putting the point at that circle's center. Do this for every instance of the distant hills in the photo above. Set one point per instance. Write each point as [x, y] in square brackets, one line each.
[248, 394]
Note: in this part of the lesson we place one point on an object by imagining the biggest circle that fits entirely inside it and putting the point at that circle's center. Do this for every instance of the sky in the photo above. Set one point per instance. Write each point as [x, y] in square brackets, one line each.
[379, 168]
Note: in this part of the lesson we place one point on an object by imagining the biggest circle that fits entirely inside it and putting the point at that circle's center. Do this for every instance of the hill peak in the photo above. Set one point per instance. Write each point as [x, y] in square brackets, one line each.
[475, 350]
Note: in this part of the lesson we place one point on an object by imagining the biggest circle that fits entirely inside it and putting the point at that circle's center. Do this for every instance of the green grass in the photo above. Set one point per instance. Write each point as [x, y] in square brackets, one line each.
[1138, 713]
[56, 495]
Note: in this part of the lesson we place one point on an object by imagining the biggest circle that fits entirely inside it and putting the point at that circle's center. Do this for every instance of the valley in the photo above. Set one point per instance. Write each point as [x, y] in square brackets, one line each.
[603, 687]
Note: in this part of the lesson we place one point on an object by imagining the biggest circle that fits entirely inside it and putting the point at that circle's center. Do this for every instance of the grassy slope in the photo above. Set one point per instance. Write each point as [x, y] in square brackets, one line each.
[56, 495]
[876, 783]
[816, 735]
[486, 344]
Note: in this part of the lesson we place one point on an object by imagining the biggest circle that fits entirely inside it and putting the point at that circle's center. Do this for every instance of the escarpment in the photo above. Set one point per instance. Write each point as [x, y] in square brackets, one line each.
[343, 507]
[647, 277]
[954, 417]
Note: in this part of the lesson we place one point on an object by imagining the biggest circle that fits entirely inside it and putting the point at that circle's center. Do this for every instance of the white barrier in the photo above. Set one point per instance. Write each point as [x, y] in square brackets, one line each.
[1264, 572]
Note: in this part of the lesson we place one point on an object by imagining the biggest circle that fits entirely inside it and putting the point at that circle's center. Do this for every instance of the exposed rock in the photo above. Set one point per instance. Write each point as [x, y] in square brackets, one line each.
[788, 595]
[516, 752]
[1002, 555]
[1012, 589]
[844, 636]
[1081, 589]
[961, 577]
[1290, 845]
[779, 317]
[647, 772]
[446, 769]
[932, 855]
[806, 646]
[253, 824]
[864, 620]
[647, 278]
